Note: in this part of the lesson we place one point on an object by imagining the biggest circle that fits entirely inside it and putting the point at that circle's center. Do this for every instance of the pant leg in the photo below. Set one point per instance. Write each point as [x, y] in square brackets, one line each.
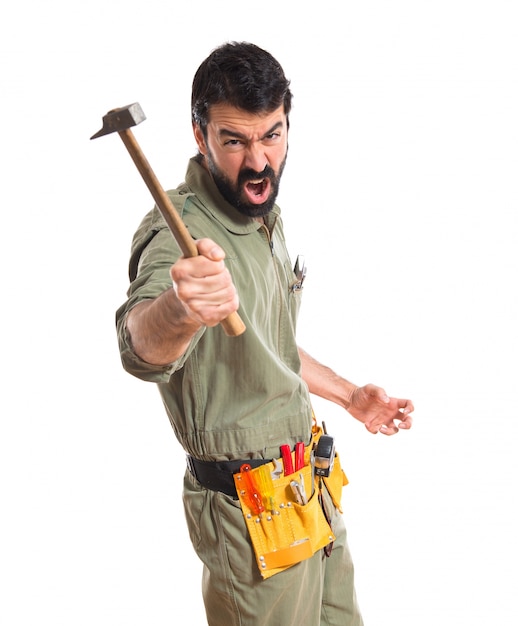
[339, 602]
[234, 592]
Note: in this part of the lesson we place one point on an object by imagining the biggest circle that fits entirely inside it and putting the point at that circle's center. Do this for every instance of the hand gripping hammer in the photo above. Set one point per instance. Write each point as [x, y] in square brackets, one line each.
[120, 121]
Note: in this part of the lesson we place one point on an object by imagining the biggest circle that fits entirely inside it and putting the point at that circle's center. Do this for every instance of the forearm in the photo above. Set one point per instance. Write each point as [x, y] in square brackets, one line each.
[324, 382]
[160, 330]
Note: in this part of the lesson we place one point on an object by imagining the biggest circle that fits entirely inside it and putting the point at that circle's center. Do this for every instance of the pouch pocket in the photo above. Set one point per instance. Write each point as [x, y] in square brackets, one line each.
[285, 532]
[337, 478]
[335, 482]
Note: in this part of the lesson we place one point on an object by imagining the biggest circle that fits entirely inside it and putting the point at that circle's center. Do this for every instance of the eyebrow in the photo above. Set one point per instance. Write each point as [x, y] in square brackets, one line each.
[225, 132]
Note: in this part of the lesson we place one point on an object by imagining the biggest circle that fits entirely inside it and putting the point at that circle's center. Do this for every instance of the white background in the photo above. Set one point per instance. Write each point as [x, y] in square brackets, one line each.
[401, 192]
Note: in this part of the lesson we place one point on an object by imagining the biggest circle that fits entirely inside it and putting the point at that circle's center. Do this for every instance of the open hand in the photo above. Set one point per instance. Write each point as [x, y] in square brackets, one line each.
[379, 412]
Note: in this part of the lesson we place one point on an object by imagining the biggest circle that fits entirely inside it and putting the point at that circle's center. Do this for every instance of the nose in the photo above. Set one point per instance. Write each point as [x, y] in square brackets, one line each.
[255, 157]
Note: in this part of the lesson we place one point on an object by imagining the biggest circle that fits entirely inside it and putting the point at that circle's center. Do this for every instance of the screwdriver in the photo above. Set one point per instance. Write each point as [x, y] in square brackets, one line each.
[251, 494]
[286, 459]
[299, 456]
[266, 489]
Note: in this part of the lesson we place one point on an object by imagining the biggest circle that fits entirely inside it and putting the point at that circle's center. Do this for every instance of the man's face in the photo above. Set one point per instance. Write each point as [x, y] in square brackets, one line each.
[246, 154]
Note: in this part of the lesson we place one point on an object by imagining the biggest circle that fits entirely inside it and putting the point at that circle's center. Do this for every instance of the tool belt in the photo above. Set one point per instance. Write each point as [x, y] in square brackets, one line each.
[219, 475]
[285, 525]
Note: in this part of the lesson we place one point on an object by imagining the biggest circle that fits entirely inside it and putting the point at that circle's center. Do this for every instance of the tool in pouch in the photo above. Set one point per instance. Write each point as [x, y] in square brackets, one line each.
[324, 456]
[282, 510]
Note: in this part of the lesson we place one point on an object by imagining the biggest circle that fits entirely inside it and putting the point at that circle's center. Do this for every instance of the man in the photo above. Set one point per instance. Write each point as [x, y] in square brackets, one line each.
[237, 400]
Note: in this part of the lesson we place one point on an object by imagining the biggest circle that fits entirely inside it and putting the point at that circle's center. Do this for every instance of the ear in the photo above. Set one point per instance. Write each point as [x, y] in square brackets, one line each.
[200, 139]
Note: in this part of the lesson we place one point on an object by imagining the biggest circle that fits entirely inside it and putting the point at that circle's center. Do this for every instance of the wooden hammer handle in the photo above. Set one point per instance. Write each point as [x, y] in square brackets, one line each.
[232, 325]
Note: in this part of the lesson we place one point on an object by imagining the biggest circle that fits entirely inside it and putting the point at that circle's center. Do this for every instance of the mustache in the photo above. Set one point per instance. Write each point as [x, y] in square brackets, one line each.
[250, 174]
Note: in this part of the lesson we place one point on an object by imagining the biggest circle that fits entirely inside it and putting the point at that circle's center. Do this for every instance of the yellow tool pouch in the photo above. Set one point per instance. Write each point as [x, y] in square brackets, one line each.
[286, 532]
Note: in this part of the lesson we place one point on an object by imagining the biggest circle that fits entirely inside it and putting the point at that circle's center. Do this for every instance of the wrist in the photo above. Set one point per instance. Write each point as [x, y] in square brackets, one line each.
[350, 393]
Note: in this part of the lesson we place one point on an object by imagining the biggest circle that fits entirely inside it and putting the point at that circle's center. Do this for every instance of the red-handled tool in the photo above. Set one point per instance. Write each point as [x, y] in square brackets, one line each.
[251, 494]
[299, 456]
[286, 459]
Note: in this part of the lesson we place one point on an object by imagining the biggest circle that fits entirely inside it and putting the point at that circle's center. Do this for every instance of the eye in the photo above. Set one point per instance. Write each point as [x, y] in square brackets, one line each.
[272, 137]
[232, 142]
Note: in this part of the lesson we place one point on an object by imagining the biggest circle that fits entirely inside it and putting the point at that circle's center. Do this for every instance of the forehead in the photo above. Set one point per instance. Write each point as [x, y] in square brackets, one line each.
[224, 117]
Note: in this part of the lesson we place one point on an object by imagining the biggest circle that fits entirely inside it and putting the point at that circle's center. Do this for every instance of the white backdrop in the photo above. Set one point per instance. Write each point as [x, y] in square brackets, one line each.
[401, 192]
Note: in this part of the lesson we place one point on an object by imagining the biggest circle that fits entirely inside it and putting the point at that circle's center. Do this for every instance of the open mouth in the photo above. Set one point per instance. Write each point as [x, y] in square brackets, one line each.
[257, 191]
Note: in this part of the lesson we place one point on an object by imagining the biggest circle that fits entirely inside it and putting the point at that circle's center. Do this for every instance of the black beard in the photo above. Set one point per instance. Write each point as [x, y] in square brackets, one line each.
[232, 193]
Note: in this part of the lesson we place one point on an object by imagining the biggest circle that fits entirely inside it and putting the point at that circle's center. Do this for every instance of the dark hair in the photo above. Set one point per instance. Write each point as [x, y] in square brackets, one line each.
[242, 75]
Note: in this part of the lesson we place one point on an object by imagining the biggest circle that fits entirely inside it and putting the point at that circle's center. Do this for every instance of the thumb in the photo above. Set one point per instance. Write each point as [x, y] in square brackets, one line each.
[210, 250]
[382, 396]
[377, 392]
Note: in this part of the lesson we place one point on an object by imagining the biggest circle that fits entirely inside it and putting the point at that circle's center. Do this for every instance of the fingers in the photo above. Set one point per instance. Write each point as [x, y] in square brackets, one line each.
[209, 264]
[406, 418]
[391, 418]
[204, 285]
[407, 406]
[402, 421]
[389, 430]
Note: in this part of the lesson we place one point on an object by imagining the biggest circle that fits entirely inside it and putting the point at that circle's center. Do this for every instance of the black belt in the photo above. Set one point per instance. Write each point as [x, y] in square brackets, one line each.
[219, 475]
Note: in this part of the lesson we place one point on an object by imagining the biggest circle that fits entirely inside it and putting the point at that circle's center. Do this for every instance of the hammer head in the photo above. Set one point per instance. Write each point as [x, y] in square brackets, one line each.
[121, 119]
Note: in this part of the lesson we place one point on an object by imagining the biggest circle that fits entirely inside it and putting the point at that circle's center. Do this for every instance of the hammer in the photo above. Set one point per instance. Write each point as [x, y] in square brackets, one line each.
[120, 120]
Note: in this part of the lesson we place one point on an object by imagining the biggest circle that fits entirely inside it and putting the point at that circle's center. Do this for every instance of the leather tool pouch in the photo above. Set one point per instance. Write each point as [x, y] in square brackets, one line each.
[287, 532]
